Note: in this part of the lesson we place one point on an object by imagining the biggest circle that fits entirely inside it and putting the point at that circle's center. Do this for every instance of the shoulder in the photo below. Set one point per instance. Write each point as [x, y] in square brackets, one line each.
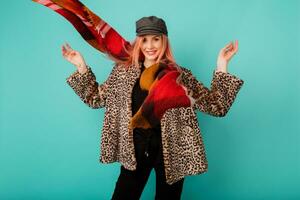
[184, 70]
[116, 68]
[187, 77]
[123, 67]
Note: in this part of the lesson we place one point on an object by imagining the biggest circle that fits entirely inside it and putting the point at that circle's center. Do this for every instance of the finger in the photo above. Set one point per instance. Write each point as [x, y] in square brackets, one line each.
[235, 47]
[231, 45]
[224, 48]
[68, 46]
[226, 51]
[229, 49]
[67, 54]
[68, 50]
[64, 51]
[228, 45]
[64, 48]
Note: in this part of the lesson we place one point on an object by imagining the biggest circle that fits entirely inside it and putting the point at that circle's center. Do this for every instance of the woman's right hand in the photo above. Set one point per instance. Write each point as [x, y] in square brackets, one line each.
[74, 57]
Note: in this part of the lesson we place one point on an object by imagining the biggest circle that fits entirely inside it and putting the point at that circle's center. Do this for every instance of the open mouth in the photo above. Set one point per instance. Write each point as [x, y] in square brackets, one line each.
[151, 52]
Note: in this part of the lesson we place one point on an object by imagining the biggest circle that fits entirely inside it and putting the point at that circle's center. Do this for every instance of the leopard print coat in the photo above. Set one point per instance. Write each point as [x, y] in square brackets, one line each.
[183, 148]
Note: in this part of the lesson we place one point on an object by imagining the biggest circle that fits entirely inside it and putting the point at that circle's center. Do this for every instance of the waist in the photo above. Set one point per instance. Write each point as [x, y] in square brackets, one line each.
[147, 132]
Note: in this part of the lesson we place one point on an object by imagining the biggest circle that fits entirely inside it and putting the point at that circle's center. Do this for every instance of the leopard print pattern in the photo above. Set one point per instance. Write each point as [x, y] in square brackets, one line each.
[185, 152]
[217, 100]
[183, 148]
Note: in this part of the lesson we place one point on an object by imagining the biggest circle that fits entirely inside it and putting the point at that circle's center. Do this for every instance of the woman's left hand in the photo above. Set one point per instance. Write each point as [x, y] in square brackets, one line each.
[225, 55]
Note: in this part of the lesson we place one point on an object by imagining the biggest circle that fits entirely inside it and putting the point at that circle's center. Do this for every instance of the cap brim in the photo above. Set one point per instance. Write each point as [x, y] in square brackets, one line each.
[149, 33]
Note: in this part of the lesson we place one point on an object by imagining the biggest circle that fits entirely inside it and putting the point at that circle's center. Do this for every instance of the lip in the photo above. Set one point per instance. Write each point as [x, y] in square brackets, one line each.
[151, 52]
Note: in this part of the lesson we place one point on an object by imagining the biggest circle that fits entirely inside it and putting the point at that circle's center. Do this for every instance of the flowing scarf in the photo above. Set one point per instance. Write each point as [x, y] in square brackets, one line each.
[162, 81]
[91, 27]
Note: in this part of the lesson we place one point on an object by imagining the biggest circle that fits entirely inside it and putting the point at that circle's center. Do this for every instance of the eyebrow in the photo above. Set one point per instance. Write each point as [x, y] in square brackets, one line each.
[156, 36]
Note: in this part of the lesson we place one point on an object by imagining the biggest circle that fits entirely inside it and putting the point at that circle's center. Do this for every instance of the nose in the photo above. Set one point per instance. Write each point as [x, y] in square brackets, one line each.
[149, 44]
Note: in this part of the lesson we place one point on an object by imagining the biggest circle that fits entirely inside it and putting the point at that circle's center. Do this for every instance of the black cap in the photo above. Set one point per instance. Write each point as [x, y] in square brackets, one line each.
[151, 25]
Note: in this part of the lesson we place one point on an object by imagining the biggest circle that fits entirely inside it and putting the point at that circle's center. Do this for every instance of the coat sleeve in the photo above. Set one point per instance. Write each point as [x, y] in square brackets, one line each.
[88, 89]
[217, 100]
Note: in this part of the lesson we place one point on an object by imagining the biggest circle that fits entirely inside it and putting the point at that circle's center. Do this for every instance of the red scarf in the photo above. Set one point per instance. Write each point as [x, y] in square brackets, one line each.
[92, 28]
[164, 91]
[162, 81]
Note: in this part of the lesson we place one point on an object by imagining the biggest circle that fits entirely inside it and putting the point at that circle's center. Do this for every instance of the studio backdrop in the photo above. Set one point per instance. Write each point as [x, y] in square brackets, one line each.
[50, 139]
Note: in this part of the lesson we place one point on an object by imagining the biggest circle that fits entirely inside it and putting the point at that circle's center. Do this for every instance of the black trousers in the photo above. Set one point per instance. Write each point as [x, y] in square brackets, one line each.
[130, 184]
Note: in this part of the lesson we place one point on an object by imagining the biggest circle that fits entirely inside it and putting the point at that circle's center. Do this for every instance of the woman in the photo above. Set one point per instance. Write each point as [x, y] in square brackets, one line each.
[173, 146]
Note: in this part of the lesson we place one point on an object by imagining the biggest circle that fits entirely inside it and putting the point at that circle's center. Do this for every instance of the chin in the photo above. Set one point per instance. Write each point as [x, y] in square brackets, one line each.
[152, 58]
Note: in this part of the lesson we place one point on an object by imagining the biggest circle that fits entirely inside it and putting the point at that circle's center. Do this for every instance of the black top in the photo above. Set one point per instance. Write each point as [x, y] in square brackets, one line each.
[138, 97]
[147, 142]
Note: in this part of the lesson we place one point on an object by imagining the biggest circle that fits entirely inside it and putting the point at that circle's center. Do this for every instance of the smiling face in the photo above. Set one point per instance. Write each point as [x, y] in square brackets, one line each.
[151, 47]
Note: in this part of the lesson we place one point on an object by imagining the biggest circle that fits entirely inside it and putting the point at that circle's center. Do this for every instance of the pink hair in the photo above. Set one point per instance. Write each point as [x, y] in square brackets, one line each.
[136, 55]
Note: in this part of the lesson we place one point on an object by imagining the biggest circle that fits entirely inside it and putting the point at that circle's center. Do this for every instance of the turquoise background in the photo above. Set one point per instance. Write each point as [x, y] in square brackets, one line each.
[49, 139]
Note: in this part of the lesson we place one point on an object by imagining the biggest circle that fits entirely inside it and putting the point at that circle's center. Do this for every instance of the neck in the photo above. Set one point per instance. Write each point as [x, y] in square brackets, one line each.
[148, 63]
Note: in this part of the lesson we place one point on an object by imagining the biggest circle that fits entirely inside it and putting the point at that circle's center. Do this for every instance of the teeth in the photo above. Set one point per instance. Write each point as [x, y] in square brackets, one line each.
[151, 52]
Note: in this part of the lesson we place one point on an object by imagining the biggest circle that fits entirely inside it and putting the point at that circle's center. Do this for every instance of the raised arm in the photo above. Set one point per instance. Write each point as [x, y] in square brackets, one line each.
[83, 80]
[88, 89]
[218, 99]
